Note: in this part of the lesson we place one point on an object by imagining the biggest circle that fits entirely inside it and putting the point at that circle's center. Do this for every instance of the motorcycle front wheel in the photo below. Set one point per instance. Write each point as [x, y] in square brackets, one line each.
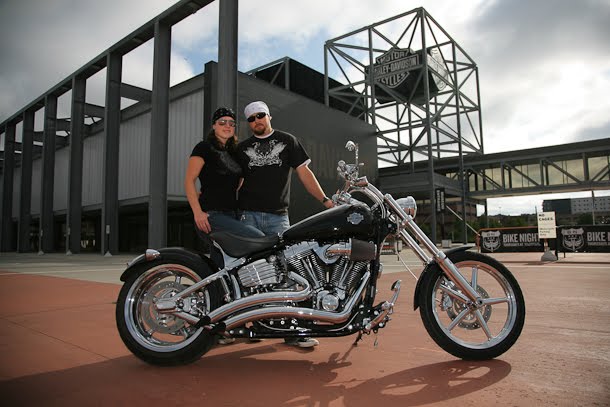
[470, 332]
[158, 338]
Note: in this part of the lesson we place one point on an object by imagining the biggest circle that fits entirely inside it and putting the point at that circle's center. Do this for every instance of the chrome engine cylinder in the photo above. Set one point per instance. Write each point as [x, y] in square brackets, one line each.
[258, 273]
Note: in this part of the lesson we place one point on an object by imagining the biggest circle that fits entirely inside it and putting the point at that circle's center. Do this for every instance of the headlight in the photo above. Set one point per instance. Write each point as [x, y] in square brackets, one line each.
[409, 205]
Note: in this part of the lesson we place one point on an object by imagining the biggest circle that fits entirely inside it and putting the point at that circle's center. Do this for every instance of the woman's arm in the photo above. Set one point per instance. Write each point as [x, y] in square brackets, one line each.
[194, 167]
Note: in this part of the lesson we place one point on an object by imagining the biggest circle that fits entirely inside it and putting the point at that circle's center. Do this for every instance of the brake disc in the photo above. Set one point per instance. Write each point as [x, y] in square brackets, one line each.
[161, 323]
[453, 309]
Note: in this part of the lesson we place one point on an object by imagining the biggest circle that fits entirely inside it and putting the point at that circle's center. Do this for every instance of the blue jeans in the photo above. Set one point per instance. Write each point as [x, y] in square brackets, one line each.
[270, 224]
[227, 221]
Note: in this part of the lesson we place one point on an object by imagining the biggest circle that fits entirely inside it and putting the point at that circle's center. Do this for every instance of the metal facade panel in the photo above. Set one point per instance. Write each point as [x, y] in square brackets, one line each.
[93, 169]
[134, 157]
[185, 130]
[60, 186]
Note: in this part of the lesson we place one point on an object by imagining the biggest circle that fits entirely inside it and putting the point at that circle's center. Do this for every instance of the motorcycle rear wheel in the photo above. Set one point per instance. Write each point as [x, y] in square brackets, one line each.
[162, 339]
[466, 332]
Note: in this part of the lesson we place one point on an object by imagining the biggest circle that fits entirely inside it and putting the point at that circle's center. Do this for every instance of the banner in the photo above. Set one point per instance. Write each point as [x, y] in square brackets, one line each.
[586, 238]
[504, 240]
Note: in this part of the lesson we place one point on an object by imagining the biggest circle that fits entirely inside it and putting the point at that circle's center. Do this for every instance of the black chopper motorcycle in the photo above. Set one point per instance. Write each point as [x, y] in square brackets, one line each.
[317, 279]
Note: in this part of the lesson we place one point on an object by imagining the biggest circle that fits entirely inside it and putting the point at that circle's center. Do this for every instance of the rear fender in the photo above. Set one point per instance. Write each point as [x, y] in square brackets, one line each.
[428, 271]
[168, 255]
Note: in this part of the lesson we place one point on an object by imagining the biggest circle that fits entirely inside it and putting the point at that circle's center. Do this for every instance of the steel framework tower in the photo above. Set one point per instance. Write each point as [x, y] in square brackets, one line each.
[416, 85]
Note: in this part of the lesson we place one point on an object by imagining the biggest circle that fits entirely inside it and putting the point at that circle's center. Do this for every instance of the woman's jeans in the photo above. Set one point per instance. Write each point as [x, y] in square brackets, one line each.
[270, 224]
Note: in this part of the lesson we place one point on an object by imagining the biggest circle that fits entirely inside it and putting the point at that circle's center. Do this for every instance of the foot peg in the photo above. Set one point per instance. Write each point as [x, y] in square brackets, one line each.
[386, 307]
[206, 323]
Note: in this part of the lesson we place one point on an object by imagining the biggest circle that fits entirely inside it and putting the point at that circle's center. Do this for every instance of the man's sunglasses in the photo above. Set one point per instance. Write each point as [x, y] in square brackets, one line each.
[223, 122]
[259, 116]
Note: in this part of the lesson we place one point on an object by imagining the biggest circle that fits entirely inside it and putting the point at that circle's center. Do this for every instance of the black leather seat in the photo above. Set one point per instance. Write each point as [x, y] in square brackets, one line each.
[240, 246]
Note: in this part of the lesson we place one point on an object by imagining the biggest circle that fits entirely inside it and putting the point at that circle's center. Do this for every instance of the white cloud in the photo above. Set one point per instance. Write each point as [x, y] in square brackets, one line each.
[544, 69]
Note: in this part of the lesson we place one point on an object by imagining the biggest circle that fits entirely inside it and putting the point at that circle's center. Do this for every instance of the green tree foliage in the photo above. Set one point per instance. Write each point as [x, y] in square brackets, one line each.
[585, 219]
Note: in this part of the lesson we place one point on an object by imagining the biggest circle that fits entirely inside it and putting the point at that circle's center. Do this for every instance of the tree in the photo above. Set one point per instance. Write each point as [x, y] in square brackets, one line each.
[585, 219]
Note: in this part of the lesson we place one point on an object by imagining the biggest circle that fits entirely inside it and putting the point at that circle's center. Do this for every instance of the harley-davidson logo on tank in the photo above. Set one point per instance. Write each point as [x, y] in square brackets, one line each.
[398, 71]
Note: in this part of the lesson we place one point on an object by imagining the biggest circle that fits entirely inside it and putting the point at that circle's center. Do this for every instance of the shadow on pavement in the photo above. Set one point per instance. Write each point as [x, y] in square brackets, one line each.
[258, 376]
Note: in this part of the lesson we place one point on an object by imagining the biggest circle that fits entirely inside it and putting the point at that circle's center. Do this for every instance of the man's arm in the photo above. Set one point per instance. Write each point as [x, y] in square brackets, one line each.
[311, 184]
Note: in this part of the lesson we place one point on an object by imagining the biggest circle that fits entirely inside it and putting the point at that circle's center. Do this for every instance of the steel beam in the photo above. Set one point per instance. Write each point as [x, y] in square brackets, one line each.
[46, 233]
[157, 209]
[112, 124]
[75, 174]
[6, 229]
[25, 201]
[227, 54]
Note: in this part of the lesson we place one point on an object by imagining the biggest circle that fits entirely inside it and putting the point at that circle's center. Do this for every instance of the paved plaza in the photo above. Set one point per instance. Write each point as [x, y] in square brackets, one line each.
[59, 347]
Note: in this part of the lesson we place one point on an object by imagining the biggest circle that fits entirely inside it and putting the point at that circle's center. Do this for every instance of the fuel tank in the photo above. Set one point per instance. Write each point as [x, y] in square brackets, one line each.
[342, 221]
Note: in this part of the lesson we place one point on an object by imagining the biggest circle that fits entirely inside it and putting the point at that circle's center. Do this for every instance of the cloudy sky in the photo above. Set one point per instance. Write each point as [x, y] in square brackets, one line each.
[544, 64]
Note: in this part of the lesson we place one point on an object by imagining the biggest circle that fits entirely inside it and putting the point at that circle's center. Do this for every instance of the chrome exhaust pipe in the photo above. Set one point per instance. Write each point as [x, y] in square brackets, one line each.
[264, 298]
[218, 314]
[297, 312]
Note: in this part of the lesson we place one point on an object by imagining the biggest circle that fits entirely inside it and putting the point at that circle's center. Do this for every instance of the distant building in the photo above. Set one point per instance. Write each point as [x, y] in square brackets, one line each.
[569, 210]
[559, 206]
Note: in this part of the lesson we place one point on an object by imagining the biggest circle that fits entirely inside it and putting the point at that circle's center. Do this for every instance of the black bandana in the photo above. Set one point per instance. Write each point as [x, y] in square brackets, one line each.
[221, 112]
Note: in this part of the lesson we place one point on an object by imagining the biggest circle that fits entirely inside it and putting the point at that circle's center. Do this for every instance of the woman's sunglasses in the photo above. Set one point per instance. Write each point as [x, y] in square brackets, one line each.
[259, 116]
[223, 122]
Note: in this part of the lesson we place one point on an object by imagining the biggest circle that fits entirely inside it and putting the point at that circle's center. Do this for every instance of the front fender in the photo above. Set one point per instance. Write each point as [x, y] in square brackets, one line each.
[426, 272]
[169, 254]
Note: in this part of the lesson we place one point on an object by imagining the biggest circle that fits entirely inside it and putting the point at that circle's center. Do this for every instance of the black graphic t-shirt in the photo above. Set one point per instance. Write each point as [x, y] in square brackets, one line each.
[267, 164]
[219, 177]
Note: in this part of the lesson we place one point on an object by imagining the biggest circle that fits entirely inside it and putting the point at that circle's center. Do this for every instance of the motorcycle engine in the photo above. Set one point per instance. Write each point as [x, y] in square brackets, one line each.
[333, 270]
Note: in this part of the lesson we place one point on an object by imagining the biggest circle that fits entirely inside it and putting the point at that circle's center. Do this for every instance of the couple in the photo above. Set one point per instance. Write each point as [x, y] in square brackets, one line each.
[262, 165]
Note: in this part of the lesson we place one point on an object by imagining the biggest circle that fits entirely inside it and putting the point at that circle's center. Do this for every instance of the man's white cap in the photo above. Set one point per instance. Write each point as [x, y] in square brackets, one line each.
[256, 107]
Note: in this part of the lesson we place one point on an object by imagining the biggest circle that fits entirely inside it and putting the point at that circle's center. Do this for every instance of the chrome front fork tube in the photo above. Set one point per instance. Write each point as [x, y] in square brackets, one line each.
[441, 258]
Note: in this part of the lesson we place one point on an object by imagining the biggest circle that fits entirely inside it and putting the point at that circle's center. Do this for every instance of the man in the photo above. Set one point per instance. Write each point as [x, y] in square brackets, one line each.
[268, 158]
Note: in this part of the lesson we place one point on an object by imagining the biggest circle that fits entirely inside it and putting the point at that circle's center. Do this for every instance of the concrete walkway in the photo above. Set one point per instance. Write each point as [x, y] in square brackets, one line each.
[59, 347]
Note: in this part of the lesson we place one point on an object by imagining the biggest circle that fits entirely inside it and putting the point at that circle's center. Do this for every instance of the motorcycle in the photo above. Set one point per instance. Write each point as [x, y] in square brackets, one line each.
[317, 279]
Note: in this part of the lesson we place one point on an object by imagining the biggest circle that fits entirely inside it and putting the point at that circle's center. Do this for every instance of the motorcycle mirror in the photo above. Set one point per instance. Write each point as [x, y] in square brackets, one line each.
[351, 146]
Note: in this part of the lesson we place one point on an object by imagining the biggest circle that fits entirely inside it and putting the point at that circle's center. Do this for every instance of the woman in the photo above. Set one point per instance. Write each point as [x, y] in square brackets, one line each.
[215, 208]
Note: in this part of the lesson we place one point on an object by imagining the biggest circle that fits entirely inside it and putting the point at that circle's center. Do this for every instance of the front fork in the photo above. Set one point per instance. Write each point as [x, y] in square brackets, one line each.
[438, 256]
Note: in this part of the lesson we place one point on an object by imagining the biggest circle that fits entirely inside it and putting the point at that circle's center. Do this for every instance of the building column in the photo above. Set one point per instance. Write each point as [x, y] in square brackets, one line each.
[157, 206]
[112, 124]
[210, 94]
[46, 233]
[75, 172]
[25, 201]
[8, 171]
[227, 54]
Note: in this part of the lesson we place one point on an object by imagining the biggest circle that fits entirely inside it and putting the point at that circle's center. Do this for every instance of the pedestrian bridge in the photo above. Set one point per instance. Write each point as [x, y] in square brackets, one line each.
[580, 166]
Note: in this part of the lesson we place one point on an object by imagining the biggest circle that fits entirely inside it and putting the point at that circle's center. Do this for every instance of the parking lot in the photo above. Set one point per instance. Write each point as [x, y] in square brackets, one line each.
[59, 346]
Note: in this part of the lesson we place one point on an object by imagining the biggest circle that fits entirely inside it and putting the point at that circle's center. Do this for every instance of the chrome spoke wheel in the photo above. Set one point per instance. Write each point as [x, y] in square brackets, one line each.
[162, 332]
[466, 324]
[476, 330]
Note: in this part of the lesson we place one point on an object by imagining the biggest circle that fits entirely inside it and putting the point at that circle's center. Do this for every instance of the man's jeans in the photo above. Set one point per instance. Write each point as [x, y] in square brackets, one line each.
[227, 221]
[270, 224]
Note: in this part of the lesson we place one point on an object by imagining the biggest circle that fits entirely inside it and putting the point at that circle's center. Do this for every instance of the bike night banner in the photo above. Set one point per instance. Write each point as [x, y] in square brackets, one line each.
[589, 238]
[503, 240]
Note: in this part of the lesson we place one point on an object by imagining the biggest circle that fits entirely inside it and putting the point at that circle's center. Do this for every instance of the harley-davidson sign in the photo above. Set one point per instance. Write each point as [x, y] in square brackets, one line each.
[392, 67]
[396, 74]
